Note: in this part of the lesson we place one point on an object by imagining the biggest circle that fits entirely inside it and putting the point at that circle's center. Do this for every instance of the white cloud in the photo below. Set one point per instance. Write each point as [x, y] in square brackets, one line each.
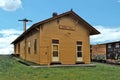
[107, 35]
[6, 37]
[10, 5]
[6, 50]
[9, 32]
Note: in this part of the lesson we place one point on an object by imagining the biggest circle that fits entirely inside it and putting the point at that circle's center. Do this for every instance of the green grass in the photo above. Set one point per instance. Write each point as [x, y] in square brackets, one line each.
[10, 69]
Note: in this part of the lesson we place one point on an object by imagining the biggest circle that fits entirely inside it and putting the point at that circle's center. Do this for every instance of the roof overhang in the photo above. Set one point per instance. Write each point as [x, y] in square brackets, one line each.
[92, 30]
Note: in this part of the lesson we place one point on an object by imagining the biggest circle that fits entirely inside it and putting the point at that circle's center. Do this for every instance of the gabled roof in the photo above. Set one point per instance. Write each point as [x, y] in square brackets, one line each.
[92, 30]
[105, 43]
[111, 42]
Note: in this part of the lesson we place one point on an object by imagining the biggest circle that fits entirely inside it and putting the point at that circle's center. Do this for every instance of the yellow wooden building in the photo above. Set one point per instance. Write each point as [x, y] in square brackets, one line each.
[60, 39]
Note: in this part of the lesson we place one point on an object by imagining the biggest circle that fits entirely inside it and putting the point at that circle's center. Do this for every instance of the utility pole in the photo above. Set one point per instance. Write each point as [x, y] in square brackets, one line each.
[24, 26]
[24, 23]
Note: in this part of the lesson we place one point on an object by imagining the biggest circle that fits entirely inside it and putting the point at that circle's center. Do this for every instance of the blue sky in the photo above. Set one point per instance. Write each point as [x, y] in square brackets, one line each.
[102, 14]
[96, 12]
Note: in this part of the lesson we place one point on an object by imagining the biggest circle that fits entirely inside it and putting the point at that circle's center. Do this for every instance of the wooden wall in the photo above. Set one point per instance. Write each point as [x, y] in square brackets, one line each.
[68, 31]
[99, 49]
[67, 40]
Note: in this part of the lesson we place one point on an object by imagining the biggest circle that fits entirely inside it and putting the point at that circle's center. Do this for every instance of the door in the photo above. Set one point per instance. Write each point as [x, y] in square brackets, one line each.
[79, 51]
[55, 50]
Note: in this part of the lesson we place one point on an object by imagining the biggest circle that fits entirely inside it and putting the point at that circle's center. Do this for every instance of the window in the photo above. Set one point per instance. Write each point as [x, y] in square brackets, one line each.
[29, 47]
[35, 46]
[55, 53]
[79, 49]
[15, 48]
[117, 45]
[55, 45]
[109, 46]
[55, 41]
[18, 47]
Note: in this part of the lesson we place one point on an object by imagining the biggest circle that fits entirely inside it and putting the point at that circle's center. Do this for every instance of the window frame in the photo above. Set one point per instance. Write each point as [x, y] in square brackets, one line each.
[19, 48]
[35, 46]
[29, 44]
[56, 43]
[117, 45]
[109, 46]
[79, 44]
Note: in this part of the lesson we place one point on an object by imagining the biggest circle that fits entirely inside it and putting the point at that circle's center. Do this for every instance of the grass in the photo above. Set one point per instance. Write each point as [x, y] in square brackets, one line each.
[10, 69]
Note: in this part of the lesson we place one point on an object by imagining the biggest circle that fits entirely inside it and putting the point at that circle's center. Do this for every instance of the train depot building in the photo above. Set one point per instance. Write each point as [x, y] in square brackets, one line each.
[62, 39]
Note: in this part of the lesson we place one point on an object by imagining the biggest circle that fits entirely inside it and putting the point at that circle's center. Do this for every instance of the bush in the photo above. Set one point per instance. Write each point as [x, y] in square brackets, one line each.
[118, 59]
[99, 57]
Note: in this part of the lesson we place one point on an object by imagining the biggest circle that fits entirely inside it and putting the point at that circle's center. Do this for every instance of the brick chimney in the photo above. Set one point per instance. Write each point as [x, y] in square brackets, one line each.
[54, 14]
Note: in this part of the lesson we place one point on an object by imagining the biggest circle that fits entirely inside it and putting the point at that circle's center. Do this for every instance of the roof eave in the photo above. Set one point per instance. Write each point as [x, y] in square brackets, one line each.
[94, 31]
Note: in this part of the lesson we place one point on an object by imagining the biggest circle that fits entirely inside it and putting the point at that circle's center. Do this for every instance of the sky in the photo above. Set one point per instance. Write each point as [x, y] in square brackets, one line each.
[104, 15]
